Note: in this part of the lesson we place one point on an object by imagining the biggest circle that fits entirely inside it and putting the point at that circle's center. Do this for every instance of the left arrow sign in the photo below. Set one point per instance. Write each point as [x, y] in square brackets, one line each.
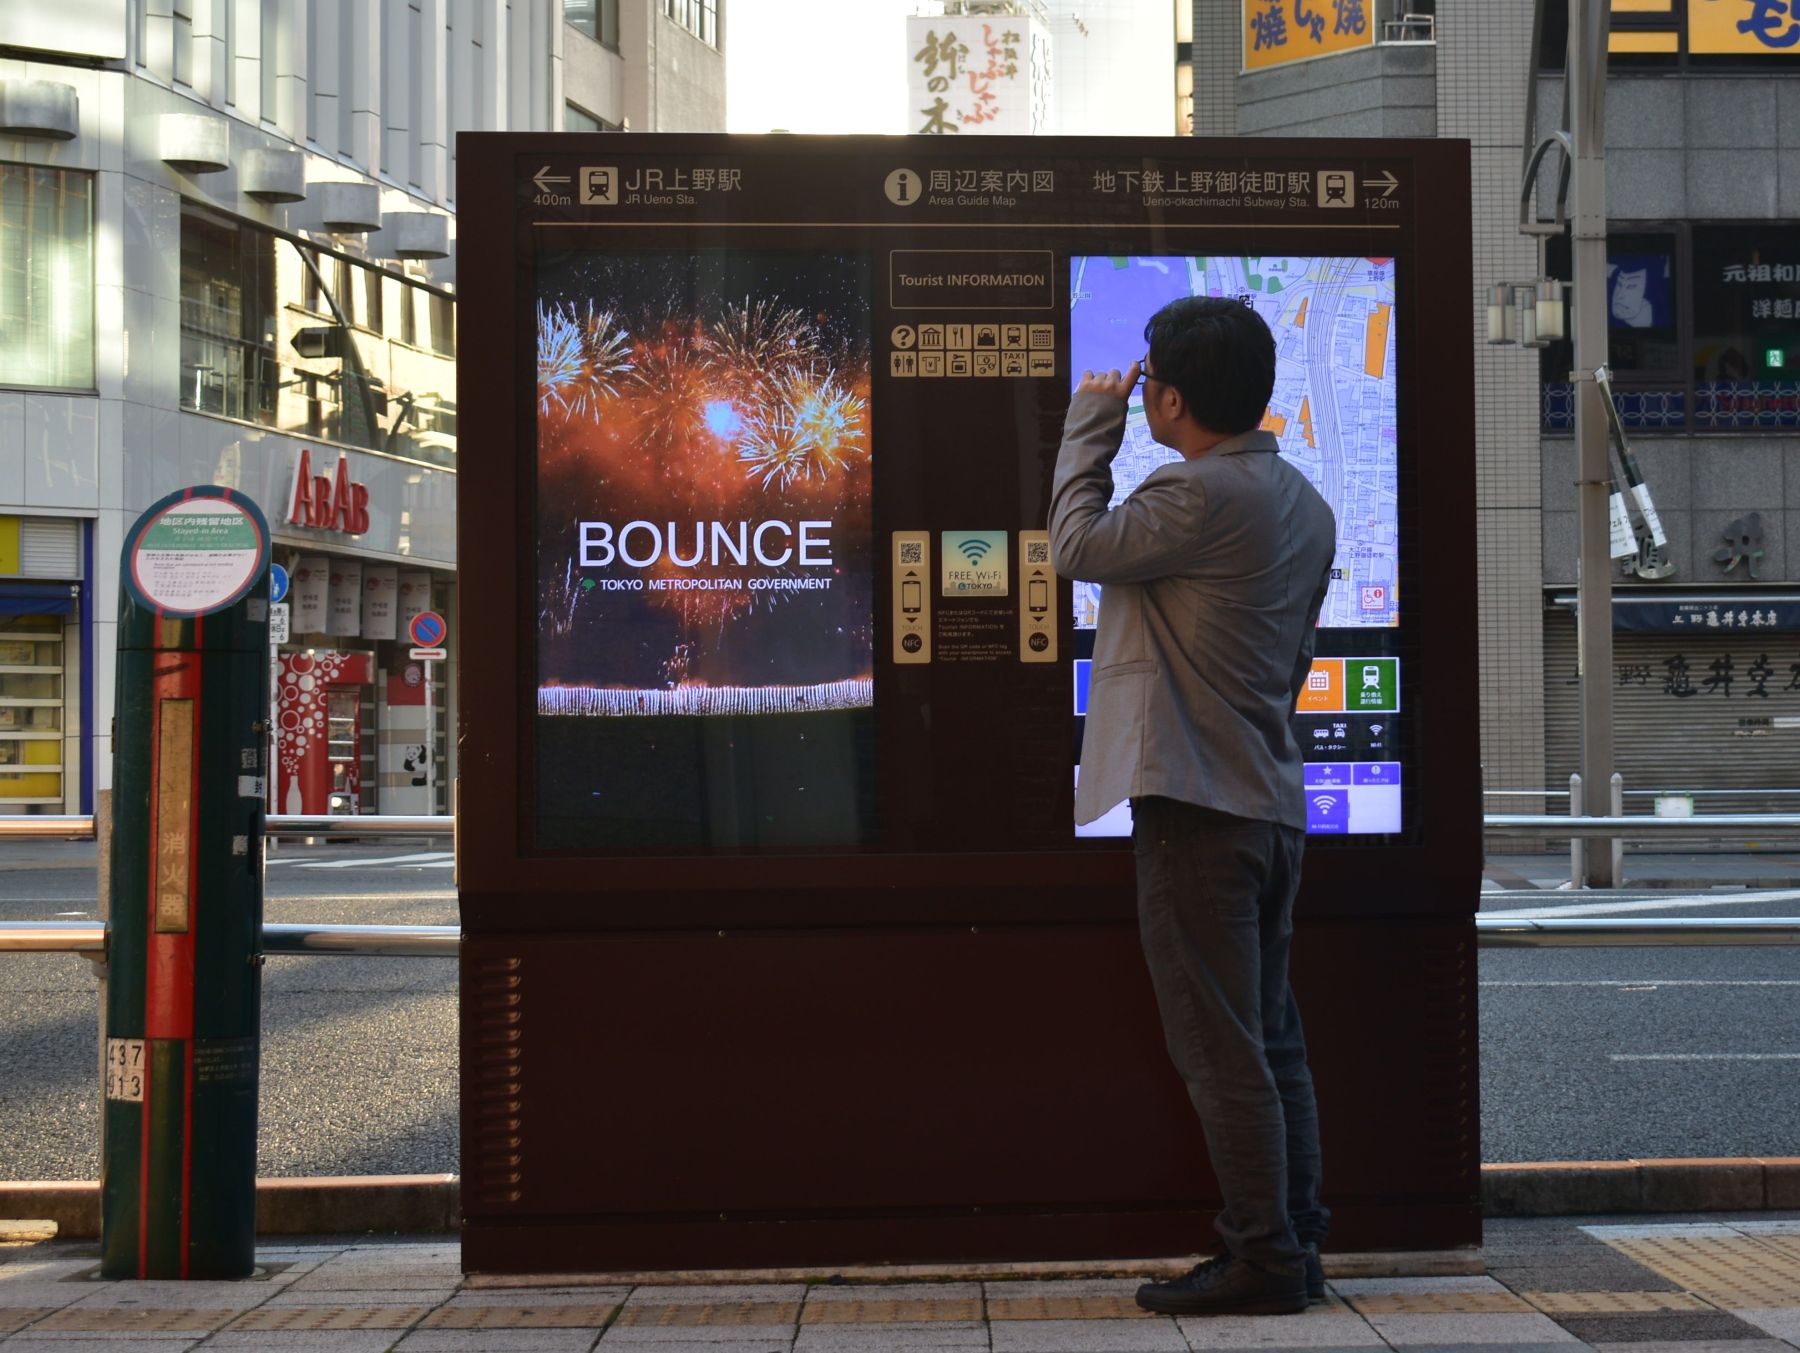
[544, 178]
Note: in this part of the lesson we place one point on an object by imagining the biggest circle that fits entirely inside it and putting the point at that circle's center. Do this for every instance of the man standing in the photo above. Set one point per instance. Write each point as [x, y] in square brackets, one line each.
[1213, 573]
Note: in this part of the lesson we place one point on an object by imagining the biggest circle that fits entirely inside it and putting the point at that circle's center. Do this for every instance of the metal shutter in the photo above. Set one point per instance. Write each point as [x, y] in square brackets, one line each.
[49, 547]
[1722, 738]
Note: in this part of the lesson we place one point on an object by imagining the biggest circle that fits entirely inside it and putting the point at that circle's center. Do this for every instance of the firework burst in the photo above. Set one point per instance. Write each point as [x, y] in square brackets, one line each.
[761, 335]
[831, 417]
[582, 359]
[671, 380]
[773, 448]
[558, 358]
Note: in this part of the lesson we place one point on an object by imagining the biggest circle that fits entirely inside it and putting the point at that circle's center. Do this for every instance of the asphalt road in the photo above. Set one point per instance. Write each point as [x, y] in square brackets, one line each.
[1588, 1054]
[359, 1054]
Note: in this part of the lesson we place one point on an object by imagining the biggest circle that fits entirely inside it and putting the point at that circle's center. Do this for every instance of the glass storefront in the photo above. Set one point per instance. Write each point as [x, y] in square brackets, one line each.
[43, 735]
[359, 725]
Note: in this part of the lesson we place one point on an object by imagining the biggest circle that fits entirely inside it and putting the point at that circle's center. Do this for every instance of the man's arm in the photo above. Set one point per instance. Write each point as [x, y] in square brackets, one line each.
[1148, 534]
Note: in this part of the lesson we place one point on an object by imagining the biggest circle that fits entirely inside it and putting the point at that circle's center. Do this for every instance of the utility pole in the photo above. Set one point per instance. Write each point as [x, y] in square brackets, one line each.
[1589, 22]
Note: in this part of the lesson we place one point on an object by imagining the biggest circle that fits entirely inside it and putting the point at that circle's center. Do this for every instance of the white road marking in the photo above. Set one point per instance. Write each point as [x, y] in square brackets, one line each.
[417, 858]
[1696, 900]
[1645, 983]
[1704, 1057]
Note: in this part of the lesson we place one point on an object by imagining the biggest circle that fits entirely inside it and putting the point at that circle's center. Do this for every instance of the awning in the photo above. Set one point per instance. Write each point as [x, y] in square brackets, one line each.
[1760, 612]
[23, 598]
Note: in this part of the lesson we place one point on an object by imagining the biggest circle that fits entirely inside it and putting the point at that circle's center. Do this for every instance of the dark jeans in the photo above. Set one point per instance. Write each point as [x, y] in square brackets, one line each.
[1216, 915]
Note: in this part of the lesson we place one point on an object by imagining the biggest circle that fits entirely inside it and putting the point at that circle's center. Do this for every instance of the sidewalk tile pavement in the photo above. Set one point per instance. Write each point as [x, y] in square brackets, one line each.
[1701, 1285]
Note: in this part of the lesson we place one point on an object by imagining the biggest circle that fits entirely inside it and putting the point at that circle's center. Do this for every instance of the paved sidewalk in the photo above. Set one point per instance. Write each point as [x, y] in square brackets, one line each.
[1682, 1286]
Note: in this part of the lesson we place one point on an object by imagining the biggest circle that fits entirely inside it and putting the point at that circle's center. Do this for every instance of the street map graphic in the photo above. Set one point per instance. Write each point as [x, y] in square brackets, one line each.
[1333, 409]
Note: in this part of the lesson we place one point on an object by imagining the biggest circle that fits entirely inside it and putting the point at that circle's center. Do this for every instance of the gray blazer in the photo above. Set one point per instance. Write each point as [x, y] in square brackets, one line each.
[1214, 571]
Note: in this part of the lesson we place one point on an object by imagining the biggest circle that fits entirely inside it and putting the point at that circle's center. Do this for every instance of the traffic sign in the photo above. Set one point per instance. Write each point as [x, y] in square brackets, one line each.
[427, 654]
[428, 629]
[278, 584]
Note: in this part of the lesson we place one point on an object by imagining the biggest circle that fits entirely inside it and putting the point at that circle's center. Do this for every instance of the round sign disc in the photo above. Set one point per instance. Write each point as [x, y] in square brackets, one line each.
[197, 551]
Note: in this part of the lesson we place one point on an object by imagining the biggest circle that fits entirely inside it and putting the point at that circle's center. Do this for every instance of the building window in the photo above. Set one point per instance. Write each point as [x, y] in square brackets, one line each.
[46, 277]
[312, 343]
[699, 17]
[599, 19]
[578, 119]
[1703, 330]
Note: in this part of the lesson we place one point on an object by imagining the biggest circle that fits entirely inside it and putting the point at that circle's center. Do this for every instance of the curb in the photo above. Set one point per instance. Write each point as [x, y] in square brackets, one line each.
[1569, 1188]
[431, 1203]
[326, 1205]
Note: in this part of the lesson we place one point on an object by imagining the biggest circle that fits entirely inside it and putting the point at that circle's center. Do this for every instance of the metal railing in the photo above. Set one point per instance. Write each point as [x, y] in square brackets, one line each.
[48, 827]
[89, 937]
[443, 941]
[70, 827]
[1643, 828]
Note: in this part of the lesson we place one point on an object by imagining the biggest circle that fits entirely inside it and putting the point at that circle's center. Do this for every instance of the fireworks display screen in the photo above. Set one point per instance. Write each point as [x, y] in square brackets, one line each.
[704, 581]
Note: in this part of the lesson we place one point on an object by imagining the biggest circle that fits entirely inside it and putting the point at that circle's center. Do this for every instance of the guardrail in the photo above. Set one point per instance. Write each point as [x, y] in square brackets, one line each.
[1643, 828]
[70, 827]
[1634, 828]
[443, 941]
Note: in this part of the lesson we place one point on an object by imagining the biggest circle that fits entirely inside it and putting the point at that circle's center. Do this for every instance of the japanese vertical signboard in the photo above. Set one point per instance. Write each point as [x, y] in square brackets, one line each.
[1277, 32]
[981, 73]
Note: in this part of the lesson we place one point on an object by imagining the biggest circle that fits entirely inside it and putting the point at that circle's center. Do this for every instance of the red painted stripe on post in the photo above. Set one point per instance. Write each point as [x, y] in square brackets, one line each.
[195, 684]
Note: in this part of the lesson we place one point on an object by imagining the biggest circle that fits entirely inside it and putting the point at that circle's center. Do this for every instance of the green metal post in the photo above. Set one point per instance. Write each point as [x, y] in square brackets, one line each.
[184, 995]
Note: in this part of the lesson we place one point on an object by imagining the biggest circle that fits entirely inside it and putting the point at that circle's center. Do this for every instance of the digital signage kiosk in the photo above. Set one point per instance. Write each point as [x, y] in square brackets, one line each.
[782, 945]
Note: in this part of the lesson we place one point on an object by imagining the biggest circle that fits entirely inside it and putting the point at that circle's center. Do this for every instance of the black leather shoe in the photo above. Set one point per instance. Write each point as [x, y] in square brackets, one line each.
[1226, 1286]
[1315, 1273]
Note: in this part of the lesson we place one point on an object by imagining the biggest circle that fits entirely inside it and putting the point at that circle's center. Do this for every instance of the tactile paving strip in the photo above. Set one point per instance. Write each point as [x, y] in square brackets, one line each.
[712, 1313]
[1614, 1303]
[1735, 1272]
[15, 1318]
[1111, 1307]
[1439, 1303]
[1787, 1245]
[110, 1319]
[518, 1317]
[889, 1312]
[331, 1318]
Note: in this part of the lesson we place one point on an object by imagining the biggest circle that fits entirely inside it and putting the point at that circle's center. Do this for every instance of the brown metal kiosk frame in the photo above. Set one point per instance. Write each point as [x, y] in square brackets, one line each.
[938, 1047]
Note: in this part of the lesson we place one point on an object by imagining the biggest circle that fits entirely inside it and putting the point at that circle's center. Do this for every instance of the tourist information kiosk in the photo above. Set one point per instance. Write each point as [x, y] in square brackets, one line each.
[782, 946]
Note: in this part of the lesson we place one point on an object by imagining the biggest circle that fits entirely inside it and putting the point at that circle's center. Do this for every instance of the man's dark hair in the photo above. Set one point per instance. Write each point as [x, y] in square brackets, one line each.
[1220, 355]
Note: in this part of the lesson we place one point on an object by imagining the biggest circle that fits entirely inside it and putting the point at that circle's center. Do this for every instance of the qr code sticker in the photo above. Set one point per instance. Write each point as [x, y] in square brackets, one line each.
[912, 552]
[1037, 551]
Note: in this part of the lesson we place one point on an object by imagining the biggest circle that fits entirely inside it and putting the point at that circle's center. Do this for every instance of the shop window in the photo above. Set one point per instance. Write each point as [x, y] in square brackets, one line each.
[46, 277]
[310, 342]
[1746, 353]
[31, 711]
[1644, 302]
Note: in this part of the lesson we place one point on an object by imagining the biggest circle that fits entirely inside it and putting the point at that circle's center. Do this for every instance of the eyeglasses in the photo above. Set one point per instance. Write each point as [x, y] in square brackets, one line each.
[1144, 371]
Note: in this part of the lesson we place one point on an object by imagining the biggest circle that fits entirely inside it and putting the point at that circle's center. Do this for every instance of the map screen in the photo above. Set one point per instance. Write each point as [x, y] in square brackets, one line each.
[1333, 409]
[1333, 412]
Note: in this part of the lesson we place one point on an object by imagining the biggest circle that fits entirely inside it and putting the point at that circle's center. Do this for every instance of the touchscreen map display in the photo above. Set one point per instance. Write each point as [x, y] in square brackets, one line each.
[1334, 413]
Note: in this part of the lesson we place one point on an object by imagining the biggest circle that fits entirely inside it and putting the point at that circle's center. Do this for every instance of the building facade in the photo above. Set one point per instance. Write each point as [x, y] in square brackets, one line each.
[1703, 183]
[227, 255]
